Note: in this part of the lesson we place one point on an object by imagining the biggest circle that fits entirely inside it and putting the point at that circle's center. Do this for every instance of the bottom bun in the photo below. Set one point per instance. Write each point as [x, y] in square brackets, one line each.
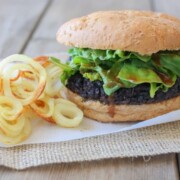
[123, 113]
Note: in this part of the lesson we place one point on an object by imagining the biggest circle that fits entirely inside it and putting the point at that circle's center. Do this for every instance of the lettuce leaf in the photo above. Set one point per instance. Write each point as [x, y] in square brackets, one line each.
[92, 76]
[94, 54]
[170, 62]
[121, 69]
[138, 75]
[68, 71]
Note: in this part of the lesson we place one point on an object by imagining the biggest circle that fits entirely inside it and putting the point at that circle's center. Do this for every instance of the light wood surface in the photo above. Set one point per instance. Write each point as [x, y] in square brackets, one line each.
[17, 23]
[171, 7]
[43, 40]
[156, 168]
[29, 27]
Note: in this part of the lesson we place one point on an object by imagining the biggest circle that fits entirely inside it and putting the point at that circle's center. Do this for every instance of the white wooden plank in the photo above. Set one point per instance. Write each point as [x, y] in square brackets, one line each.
[44, 39]
[160, 167]
[178, 159]
[17, 20]
[171, 7]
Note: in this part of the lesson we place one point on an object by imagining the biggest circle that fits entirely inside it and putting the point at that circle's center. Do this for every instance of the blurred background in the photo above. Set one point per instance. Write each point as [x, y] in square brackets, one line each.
[30, 26]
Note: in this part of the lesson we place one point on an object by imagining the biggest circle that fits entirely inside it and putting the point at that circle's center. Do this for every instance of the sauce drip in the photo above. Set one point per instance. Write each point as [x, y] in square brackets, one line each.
[166, 79]
[111, 108]
[156, 59]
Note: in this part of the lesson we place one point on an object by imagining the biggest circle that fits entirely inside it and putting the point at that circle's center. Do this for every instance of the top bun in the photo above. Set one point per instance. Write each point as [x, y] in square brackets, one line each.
[137, 31]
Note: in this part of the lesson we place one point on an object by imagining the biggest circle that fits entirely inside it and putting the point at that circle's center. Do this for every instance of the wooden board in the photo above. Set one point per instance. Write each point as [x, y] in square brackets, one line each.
[160, 167]
[171, 7]
[178, 159]
[18, 20]
[44, 39]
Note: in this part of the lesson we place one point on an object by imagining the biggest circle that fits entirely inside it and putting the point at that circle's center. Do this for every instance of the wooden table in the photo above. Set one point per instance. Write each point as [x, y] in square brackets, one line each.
[29, 27]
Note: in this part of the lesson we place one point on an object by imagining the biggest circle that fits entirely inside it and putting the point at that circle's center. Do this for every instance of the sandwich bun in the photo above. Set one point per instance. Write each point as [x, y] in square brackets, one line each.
[137, 31]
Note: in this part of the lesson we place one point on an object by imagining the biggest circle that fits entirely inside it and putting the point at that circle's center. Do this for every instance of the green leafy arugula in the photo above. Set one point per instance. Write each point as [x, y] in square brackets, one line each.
[120, 69]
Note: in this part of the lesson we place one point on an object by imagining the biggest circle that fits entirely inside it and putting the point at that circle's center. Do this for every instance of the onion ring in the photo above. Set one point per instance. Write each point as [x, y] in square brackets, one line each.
[43, 60]
[44, 107]
[25, 64]
[10, 108]
[14, 126]
[67, 114]
[53, 84]
[1, 86]
[29, 88]
[24, 134]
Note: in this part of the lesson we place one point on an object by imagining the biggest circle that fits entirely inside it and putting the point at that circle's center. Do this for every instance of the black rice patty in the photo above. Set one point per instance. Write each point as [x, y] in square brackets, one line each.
[93, 90]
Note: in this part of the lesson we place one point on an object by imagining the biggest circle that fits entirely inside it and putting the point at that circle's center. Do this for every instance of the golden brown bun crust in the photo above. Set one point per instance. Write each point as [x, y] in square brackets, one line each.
[138, 31]
[103, 113]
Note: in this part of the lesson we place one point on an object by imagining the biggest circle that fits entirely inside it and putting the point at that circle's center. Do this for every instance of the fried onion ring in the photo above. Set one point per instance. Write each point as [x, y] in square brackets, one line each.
[21, 136]
[67, 114]
[13, 124]
[26, 69]
[44, 107]
[29, 89]
[53, 85]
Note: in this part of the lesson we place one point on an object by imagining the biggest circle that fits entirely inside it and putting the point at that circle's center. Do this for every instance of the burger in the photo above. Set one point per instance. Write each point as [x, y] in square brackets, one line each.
[124, 65]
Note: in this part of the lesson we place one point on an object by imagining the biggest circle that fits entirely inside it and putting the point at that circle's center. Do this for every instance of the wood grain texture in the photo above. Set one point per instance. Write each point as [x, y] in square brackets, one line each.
[159, 167]
[178, 159]
[17, 21]
[44, 39]
[171, 7]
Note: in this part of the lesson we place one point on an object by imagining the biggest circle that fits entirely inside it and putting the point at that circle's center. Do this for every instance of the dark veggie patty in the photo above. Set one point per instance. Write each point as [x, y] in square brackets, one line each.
[93, 90]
